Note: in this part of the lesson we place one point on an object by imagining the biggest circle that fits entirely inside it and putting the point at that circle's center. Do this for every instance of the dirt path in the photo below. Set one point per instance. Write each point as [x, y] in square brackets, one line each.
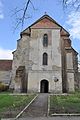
[38, 108]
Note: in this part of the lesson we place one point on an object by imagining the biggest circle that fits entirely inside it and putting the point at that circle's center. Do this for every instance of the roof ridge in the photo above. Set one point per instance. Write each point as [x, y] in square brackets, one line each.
[44, 16]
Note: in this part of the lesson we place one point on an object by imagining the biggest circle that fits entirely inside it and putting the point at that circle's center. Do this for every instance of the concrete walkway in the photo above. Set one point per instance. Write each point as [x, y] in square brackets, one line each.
[39, 108]
[51, 118]
[38, 111]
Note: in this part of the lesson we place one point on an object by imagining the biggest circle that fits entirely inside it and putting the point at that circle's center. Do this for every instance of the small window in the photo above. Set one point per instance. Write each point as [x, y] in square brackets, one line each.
[45, 40]
[45, 59]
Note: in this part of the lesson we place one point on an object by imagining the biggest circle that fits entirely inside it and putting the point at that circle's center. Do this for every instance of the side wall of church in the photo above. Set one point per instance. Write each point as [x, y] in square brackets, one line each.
[20, 58]
[70, 72]
[75, 67]
[69, 66]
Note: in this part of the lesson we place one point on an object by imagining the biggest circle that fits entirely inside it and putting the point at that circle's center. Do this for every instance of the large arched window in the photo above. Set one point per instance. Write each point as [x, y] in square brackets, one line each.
[45, 59]
[45, 40]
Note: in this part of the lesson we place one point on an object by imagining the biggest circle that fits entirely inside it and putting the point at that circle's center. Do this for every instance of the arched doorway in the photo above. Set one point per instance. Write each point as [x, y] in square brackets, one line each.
[44, 86]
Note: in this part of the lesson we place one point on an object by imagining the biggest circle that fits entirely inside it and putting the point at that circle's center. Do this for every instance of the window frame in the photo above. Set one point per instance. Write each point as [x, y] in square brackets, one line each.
[45, 40]
[45, 58]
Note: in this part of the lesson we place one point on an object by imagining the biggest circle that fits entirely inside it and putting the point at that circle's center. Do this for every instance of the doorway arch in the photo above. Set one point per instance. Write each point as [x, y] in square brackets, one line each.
[44, 86]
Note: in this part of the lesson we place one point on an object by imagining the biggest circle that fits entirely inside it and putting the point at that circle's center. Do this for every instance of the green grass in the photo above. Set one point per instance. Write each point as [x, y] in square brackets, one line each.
[65, 104]
[13, 101]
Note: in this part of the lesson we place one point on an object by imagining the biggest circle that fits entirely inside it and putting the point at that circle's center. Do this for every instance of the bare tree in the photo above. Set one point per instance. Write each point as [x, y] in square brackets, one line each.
[22, 14]
[73, 4]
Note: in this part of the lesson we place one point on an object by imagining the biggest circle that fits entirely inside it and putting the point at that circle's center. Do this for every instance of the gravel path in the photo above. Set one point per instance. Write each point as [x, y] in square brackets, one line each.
[38, 108]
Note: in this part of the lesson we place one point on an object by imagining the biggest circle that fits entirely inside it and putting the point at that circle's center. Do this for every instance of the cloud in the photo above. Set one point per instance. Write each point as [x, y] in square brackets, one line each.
[1, 10]
[6, 54]
[73, 23]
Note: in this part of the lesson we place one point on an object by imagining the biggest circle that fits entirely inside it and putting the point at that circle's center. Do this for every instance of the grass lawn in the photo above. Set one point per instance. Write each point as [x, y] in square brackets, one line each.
[65, 104]
[11, 105]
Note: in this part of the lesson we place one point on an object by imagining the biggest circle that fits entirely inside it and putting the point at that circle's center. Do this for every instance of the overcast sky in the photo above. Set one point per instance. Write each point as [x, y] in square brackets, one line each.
[8, 39]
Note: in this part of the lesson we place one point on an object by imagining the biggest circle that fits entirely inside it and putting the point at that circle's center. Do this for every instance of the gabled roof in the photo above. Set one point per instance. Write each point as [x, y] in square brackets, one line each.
[50, 19]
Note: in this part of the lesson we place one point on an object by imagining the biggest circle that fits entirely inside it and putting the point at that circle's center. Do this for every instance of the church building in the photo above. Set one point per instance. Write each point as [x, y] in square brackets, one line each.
[44, 60]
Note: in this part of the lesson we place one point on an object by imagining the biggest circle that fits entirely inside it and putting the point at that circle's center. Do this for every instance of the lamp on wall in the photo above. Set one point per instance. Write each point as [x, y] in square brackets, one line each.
[55, 80]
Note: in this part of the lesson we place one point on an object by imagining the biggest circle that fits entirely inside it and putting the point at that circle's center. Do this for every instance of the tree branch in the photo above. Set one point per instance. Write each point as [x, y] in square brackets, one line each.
[75, 4]
[22, 13]
[25, 10]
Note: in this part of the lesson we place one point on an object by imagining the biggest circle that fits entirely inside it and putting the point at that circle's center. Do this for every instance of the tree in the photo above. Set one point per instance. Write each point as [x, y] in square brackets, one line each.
[71, 4]
[21, 19]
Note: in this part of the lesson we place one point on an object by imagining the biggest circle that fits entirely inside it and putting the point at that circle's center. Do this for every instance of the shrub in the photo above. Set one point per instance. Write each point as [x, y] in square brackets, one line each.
[3, 87]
